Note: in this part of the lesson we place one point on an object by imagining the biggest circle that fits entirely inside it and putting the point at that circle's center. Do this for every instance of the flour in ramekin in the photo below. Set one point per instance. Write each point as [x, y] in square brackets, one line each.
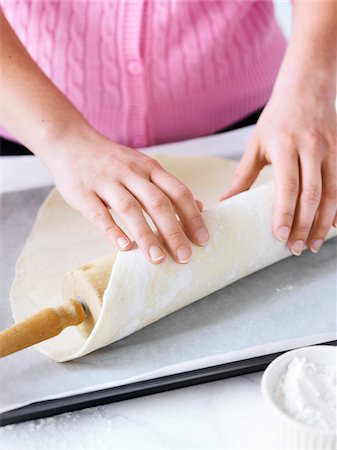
[307, 392]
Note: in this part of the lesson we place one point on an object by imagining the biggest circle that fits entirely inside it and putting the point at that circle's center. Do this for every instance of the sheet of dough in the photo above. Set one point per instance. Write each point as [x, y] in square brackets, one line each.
[138, 292]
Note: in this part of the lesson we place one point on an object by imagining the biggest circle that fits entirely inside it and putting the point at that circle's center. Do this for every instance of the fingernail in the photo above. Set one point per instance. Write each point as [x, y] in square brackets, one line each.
[184, 254]
[202, 236]
[335, 224]
[122, 242]
[297, 248]
[316, 245]
[283, 233]
[156, 253]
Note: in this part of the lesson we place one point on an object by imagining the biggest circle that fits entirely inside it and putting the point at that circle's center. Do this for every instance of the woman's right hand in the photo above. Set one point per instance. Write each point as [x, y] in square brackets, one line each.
[94, 175]
[91, 172]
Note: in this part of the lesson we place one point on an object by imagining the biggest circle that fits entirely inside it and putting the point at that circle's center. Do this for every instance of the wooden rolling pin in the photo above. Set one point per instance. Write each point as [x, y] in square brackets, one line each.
[86, 284]
[44, 325]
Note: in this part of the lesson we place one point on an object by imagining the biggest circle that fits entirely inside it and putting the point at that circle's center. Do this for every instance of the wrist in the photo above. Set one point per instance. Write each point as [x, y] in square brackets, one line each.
[303, 75]
[57, 141]
[307, 71]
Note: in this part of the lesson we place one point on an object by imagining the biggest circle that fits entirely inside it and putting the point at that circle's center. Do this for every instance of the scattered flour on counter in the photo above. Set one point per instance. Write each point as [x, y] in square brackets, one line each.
[307, 392]
[288, 287]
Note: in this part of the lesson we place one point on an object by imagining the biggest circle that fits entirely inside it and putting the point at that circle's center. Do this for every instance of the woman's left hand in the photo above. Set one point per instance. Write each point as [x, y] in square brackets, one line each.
[296, 133]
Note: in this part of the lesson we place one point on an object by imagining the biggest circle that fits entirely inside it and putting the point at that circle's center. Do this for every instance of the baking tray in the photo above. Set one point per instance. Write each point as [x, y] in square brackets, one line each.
[290, 304]
[102, 397]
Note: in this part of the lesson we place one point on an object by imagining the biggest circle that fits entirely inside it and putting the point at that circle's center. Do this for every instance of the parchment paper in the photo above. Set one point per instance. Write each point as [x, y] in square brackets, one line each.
[287, 305]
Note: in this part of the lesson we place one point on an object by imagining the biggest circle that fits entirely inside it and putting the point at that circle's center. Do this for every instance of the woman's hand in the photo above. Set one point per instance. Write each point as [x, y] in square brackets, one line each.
[296, 133]
[94, 175]
[91, 172]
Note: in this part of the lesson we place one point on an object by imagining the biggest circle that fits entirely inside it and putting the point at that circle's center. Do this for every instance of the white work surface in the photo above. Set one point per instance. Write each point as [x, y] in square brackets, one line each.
[225, 414]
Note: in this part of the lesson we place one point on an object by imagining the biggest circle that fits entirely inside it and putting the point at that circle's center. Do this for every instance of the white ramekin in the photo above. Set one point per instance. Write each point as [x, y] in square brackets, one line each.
[282, 431]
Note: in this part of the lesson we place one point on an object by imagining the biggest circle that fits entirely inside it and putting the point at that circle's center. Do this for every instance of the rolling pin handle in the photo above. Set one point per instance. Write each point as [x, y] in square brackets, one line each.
[44, 325]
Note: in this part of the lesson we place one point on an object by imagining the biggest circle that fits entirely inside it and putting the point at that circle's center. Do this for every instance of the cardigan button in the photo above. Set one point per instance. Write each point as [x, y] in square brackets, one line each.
[134, 67]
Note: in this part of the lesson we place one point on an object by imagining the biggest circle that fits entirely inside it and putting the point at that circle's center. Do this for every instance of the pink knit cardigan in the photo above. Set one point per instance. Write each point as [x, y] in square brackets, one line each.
[145, 72]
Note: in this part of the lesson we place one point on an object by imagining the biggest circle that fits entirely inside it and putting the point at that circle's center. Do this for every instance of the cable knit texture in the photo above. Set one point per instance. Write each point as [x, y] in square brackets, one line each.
[147, 72]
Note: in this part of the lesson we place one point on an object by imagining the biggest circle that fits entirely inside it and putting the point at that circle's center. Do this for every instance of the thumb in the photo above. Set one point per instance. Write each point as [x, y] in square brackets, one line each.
[248, 169]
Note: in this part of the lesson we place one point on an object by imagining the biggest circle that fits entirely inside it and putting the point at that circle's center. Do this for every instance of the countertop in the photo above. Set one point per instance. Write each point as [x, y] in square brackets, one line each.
[226, 414]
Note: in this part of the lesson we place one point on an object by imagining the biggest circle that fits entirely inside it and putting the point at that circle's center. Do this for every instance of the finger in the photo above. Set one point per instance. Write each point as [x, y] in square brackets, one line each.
[161, 211]
[286, 180]
[307, 204]
[130, 211]
[185, 205]
[326, 212]
[248, 169]
[200, 205]
[98, 214]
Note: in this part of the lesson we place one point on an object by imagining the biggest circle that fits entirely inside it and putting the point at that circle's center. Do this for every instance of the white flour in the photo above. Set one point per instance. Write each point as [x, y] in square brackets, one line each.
[307, 392]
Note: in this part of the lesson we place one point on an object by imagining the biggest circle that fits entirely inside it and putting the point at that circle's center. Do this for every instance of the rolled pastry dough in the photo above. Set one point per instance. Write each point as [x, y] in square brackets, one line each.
[139, 293]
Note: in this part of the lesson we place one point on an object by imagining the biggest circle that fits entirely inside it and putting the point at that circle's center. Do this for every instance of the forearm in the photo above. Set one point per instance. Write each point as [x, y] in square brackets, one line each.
[32, 109]
[310, 60]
